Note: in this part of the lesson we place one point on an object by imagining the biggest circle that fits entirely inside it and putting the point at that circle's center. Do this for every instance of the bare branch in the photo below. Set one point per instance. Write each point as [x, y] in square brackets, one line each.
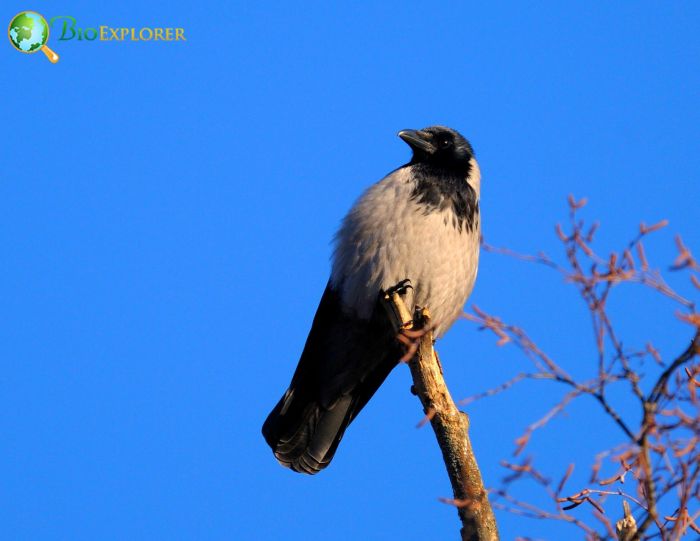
[450, 425]
[659, 458]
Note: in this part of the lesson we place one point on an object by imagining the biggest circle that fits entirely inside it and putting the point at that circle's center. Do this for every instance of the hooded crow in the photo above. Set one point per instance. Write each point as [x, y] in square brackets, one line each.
[421, 224]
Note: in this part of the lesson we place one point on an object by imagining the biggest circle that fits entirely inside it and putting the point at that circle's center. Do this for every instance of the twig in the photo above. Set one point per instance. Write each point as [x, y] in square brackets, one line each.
[451, 426]
[626, 527]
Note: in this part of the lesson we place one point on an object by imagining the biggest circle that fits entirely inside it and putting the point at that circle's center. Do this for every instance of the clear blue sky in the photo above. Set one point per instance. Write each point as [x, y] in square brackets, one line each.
[165, 217]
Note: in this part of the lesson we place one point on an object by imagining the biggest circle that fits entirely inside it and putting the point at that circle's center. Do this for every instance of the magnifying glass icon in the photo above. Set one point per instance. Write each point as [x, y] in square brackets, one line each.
[29, 32]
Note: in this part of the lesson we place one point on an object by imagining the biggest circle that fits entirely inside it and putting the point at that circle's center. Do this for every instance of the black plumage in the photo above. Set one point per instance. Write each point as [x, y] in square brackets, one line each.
[449, 190]
[344, 362]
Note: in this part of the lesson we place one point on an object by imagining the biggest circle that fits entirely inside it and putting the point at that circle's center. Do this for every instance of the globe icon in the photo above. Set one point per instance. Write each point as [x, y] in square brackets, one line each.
[29, 32]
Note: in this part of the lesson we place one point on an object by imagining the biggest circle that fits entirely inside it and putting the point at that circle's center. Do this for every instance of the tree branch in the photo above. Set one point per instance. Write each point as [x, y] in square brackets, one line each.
[649, 411]
[451, 426]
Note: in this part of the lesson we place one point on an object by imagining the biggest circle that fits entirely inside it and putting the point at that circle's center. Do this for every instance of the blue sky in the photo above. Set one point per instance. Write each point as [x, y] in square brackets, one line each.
[166, 213]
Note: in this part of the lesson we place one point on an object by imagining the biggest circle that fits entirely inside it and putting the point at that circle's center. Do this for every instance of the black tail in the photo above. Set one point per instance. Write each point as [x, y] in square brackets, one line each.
[344, 362]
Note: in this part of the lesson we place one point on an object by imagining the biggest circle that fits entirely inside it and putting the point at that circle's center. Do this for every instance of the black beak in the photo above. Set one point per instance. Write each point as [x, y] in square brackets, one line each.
[418, 140]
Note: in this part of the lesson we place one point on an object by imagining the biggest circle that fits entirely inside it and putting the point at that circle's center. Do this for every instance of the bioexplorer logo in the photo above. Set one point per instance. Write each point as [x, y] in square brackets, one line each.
[29, 33]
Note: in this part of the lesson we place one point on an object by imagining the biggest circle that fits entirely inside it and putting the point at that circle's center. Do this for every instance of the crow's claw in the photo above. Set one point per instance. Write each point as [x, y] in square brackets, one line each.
[401, 288]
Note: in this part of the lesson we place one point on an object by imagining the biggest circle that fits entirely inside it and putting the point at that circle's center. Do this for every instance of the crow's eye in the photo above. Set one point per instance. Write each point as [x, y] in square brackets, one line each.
[444, 143]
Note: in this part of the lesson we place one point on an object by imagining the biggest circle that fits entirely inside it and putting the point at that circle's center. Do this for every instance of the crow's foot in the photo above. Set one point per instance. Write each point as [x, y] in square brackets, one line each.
[401, 288]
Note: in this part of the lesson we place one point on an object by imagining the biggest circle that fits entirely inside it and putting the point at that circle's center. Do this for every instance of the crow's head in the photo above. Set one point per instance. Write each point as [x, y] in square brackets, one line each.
[439, 146]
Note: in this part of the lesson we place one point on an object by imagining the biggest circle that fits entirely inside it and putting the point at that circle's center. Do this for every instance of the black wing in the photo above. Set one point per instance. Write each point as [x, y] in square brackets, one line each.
[344, 362]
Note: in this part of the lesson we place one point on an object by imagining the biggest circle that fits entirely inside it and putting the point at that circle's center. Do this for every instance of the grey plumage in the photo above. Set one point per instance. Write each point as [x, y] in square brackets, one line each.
[422, 223]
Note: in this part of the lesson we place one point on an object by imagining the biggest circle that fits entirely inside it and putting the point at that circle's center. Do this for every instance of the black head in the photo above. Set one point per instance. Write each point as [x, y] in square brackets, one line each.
[439, 146]
[445, 174]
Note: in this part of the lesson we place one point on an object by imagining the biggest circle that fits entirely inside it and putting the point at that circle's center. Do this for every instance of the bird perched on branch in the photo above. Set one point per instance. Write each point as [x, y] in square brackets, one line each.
[417, 229]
